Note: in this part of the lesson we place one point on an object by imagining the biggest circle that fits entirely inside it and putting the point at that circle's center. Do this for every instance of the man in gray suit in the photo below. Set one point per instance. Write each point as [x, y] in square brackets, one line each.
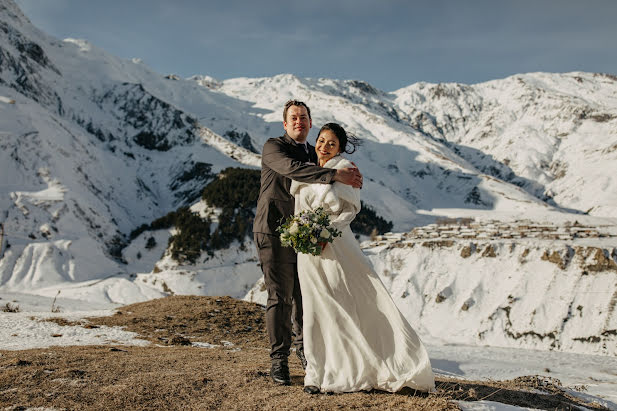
[283, 159]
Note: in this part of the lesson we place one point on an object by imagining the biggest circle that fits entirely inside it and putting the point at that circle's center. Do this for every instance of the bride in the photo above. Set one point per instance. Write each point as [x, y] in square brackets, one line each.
[355, 338]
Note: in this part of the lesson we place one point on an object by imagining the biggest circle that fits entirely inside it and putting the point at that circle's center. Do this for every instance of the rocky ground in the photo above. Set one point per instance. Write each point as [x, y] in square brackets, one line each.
[211, 353]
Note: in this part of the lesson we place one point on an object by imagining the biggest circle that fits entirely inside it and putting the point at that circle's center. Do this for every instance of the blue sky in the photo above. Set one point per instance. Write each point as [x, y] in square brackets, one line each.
[388, 43]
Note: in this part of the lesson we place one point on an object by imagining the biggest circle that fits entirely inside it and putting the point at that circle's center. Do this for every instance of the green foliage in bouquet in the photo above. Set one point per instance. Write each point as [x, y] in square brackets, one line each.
[308, 231]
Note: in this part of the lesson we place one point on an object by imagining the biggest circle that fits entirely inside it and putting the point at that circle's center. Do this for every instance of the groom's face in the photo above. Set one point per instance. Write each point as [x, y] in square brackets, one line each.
[297, 124]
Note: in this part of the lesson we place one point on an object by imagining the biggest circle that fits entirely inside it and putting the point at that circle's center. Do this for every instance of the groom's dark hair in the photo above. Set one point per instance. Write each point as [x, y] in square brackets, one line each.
[295, 103]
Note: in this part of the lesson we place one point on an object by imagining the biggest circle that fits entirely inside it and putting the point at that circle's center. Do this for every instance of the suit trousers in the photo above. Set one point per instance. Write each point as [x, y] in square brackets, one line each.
[284, 306]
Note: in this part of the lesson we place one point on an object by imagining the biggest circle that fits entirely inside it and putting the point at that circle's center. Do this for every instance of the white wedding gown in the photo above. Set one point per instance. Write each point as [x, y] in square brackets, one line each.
[355, 338]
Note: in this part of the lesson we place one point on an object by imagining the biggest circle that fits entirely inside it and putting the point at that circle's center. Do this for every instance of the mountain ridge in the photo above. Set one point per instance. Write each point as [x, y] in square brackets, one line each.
[93, 146]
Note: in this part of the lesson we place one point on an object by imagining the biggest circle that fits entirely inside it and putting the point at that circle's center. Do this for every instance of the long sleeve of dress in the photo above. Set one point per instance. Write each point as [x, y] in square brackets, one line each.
[347, 212]
[340, 201]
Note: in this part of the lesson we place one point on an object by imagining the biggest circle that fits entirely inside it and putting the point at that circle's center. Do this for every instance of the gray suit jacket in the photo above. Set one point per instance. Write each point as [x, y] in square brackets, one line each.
[281, 161]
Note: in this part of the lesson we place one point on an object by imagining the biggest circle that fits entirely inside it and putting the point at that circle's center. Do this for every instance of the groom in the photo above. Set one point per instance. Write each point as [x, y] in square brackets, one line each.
[283, 159]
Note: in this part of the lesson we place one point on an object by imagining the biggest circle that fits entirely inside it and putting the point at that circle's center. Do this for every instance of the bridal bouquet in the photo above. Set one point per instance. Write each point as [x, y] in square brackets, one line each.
[308, 232]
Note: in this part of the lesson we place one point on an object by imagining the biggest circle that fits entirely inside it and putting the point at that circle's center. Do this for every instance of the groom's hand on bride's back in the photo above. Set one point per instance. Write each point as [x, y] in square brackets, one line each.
[350, 176]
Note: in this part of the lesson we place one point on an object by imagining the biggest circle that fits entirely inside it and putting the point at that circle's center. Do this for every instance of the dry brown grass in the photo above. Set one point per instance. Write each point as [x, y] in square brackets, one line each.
[173, 376]
[167, 378]
[206, 319]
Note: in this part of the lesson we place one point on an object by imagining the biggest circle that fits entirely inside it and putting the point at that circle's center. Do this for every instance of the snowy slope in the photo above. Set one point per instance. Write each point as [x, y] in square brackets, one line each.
[93, 146]
[396, 157]
[516, 284]
[555, 135]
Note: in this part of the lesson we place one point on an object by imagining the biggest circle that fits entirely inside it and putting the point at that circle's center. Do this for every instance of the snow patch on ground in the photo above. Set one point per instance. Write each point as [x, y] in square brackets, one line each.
[28, 328]
[488, 406]
[595, 372]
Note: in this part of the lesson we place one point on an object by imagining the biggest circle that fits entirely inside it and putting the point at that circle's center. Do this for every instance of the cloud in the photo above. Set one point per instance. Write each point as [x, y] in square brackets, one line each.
[388, 43]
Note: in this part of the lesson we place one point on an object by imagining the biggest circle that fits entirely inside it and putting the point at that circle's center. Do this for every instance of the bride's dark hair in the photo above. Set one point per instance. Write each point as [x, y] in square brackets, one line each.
[348, 142]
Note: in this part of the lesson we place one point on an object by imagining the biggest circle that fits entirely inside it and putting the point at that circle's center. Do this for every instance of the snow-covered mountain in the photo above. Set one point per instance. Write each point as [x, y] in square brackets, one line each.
[93, 146]
[555, 135]
[516, 284]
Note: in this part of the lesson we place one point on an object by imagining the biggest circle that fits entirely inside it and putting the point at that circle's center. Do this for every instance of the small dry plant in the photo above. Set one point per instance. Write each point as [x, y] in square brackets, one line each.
[10, 308]
[55, 308]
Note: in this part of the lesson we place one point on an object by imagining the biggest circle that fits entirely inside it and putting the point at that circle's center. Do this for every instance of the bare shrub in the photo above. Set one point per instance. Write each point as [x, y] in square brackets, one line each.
[489, 251]
[55, 308]
[10, 308]
[606, 75]
[555, 258]
[602, 118]
[468, 250]
[438, 244]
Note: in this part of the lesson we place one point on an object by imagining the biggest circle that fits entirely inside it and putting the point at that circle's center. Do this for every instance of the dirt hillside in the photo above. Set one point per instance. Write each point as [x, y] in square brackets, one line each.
[173, 373]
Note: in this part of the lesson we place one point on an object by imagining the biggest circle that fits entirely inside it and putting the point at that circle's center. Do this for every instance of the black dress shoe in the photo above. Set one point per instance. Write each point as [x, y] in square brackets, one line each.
[300, 354]
[311, 389]
[280, 373]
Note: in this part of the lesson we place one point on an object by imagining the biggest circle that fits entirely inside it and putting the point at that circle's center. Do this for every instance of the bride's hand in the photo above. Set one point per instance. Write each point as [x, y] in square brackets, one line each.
[323, 245]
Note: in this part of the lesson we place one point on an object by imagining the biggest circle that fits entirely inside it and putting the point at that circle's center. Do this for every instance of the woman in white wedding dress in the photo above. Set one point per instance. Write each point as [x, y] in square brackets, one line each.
[355, 338]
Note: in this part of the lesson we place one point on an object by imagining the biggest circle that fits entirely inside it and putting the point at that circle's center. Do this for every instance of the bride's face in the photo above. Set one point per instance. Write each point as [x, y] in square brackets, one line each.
[327, 146]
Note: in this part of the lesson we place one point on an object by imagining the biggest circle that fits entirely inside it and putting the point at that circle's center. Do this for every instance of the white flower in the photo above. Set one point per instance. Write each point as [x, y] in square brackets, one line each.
[313, 240]
[324, 233]
[294, 228]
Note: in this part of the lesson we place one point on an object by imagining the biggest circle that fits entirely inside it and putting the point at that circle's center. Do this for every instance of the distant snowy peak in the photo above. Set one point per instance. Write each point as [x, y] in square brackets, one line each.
[155, 123]
[11, 10]
[94, 147]
[83, 45]
[284, 87]
[206, 81]
[23, 63]
[547, 133]
[553, 135]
